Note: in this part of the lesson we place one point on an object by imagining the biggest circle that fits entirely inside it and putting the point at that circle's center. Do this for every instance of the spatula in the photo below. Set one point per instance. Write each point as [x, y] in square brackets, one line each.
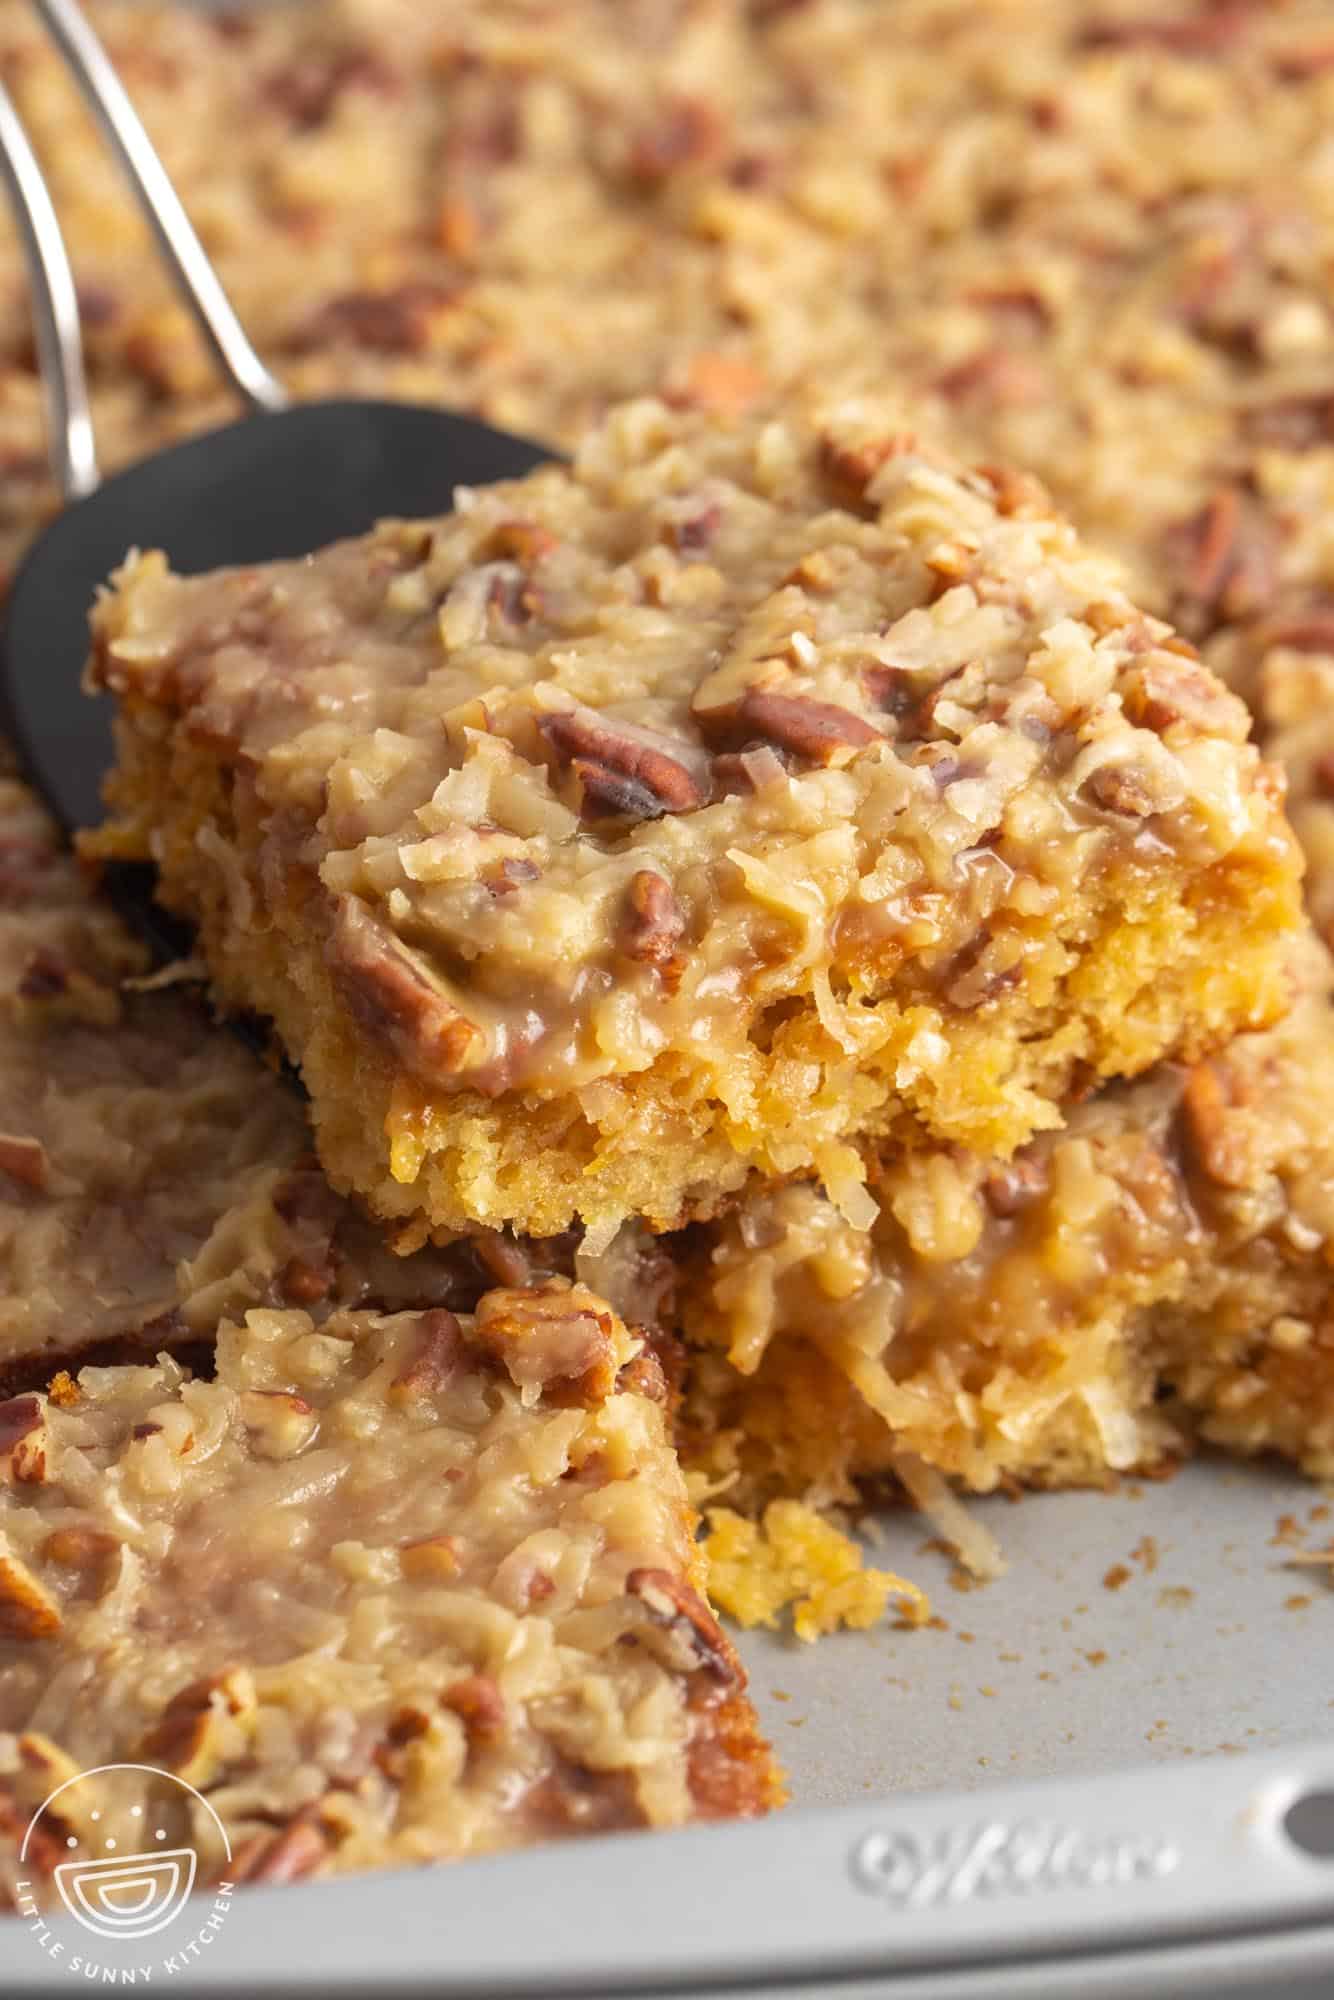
[285, 480]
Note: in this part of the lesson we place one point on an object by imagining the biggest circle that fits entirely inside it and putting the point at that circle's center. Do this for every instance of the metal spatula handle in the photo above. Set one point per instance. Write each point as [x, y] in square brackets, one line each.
[186, 258]
[55, 310]
[55, 299]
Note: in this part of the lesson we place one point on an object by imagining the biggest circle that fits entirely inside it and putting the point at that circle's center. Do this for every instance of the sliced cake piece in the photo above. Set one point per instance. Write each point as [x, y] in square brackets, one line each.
[738, 796]
[391, 1590]
[128, 1127]
[1161, 1269]
[155, 1176]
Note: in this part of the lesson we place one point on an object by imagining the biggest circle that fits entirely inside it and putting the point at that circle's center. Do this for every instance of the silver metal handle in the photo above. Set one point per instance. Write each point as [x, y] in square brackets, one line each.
[55, 310]
[186, 258]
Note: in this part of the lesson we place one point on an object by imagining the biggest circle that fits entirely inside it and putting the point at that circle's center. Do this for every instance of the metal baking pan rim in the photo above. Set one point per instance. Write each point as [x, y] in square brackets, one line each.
[913, 1889]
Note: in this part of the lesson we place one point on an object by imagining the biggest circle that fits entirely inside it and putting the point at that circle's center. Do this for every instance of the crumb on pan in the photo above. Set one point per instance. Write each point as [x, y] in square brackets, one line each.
[794, 1558]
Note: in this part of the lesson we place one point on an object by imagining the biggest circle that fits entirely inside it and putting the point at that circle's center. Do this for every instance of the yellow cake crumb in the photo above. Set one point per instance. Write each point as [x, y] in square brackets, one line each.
[795, 1557]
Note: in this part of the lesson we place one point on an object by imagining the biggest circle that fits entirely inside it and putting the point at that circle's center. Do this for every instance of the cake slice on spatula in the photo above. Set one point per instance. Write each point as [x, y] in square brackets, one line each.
[739, 801]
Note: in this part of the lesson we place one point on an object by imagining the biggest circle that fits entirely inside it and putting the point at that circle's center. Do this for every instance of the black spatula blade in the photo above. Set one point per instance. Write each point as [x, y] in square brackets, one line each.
[271, 486]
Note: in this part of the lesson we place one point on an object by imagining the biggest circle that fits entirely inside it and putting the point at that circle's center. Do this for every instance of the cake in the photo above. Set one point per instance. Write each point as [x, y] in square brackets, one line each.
[742, 801]
[1156, 1273]
[387, 1590]
[1087, 238]
[156, 1176]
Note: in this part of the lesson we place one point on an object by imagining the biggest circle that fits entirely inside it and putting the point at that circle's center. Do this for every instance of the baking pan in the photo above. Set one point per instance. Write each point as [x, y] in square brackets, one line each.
[1110, 1772]
[1101, 1774]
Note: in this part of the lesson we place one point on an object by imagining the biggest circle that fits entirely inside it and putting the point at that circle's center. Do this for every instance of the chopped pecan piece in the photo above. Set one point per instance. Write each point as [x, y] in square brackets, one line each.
[1291, 423]
[571, 1799]
[550, 1333]
[1105, 618]
[752, 170]
[652, 921]
[407, 1725]
[620, 772]
[503, 1260]
[611, 794]
[1210, 32]
[308, 88]
[487, 134]
[24, 1160]
[683, 133]
[1221, 1132]
[1154, 1182]
[1010, 1189]
[440, 1348]
[1322, 775]
[1166, 690]
[78, 1547]
[45, 1845]
[23, 1439]
[27, 1608]
[187, 1736]
[1017, 493]
[509, 874]
[694, 534]
[525, 541]
[19, 1418]
[890, 688]
[511, 594]
[764, 11]
[298, 1850]
[1021, 309]
[231, 26]
[392, 991]
[1310, 630]
[1230, 560]
[1215, 532]
[302, 1283]
[1134, 790]
[680, 1627]
[850, 468]
[479, 1705]
[1298, 62]
[645, 1376]
[924, 720]
[1000, 374]
[817, 730]
[401, 321]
